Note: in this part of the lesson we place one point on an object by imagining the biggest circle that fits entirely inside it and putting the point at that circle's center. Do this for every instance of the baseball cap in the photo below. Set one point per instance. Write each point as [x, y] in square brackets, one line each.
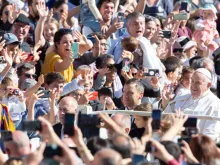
[10, 38]
[23, 19]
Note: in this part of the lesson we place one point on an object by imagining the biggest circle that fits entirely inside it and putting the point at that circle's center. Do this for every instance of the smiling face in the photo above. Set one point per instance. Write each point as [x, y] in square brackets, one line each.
[199, 84]
[20, 30]
[107, 10]
[136, 27]
[150, 29]
[64, 46]
[49, 31]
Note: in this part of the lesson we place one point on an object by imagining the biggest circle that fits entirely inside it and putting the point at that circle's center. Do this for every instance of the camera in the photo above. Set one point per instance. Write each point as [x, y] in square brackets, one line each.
[15, 92]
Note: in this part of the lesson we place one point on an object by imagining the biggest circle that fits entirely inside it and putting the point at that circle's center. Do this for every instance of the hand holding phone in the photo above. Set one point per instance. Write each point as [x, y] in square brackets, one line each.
[45, 94]
[180, 16]
[126, 65]
[152, 72]
[166, 34]
[31, 125]
[52, 150]
[93, 96]
[121, 17]
[184, 6]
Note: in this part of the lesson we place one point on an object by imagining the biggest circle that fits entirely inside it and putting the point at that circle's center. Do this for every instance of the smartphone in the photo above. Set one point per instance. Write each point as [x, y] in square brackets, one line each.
[126, 65]
[166, 34]
[137, 159]
[52, 150]
[69, 124]
[91, 39]
[121, 17]
[75, 50]
[156, 115]
[88, 120]
[191, 123]
[6, 136]
[184, 6]
[152, 72]
[46, 94]
[180, 16]
[93, 96]
[31, 125]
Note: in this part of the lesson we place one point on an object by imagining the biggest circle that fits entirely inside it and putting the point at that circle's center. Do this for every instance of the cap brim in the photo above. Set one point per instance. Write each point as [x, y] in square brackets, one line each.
[189, 45]
[12, 42]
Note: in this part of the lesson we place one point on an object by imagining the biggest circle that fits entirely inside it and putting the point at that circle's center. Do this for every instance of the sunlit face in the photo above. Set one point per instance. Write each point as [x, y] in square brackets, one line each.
[131, 96]
[20, 30]
[57, 86]
[33, 8]
[103, 46]
[12, 49]
[199, 84]
[208, 14]
[136, 27]
[191, 52]
[77, 94]
[107, 10]
[176, 75]
[139, 121]
[186, 80]
[150, 29]
[5, 13]
[49, 31]
[64, 46]
[62, 9]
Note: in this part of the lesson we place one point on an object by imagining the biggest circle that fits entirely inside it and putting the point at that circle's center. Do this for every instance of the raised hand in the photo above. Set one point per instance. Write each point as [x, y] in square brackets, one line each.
[127, 54]
[63, 20]
[104, 71]
[13, 14]
[40, 79]
[42, 11]
[8, 59]
[167, 95]
[2, 44]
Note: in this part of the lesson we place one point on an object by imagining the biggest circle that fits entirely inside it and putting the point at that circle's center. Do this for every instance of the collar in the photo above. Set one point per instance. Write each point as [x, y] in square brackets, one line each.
[203, 95]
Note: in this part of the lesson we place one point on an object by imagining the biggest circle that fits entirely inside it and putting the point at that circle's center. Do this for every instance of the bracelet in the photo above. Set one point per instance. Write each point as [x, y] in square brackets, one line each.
[14, 65]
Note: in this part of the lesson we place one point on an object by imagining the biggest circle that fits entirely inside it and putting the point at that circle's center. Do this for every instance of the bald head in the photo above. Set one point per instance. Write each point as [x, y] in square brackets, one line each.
[19, 146]
[67, 105]
[107, 157]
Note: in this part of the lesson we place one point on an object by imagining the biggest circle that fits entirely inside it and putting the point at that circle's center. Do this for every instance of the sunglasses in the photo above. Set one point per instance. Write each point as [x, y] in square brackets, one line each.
[27, 75]
[178, 50]
[6, 13]
[111, 66]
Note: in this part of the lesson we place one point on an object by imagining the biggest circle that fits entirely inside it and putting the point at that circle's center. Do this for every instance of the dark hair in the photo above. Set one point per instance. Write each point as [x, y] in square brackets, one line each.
[173, 149]
[30, 2]
[133, 15]
[203, 148]
[54, 77]
[95, 144]
[105, 91]
[99, 35]
[145, 107]
[59, 35]
[138, 84]
[101, 60]
[171, 63]
[123, 148]
[196, 62]
[24, 67]
[6, 3]
[149, 18]
[58, 3]
[103, 1]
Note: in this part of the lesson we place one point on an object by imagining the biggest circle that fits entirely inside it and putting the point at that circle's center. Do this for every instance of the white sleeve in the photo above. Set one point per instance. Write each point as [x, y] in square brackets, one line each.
[73, 85]
[17, 107]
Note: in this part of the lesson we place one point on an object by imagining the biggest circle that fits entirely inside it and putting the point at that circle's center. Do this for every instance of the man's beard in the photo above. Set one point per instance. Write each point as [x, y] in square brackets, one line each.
[36, 15]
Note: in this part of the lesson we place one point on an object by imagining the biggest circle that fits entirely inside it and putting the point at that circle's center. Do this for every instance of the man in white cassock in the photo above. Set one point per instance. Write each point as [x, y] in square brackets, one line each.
[200, 102]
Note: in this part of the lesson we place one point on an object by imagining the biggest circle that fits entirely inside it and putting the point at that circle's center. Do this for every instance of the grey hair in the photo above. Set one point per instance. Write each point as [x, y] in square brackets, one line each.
[125, 120]
[138, 84]
[133, 15]
[84, 67]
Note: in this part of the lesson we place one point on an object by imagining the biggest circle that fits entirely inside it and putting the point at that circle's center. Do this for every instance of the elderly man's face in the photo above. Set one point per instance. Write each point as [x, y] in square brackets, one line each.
[199, 84]
[136, 27]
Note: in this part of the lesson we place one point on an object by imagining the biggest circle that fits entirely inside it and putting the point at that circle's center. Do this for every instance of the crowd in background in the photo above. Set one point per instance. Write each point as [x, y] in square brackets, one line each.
[60, 57]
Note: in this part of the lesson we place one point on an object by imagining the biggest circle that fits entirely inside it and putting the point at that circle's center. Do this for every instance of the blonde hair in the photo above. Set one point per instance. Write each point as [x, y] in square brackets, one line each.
[130, 44]
[54, 21]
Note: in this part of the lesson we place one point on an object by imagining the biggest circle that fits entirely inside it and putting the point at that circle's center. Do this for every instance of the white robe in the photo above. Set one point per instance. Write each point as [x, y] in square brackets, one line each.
[207, 105]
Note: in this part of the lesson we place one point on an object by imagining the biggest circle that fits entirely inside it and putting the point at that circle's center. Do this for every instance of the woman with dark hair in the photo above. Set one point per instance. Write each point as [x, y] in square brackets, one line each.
[204, 149]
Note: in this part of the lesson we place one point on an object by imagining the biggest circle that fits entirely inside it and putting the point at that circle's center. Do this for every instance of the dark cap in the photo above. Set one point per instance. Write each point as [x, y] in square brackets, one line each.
[23, 19]
[10, 38]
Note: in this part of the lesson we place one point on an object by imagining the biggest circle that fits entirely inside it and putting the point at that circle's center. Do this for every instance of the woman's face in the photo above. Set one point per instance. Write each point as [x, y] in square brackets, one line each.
[150, 29]
[191, 52]
[64, 46]
[186, 80]
[208, 15]
[62, 9]
[5, 13]
[49, 31]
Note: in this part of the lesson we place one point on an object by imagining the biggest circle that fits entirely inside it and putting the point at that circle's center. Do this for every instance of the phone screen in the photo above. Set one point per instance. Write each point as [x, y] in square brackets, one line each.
[69, 124]
[191, 122]
[152, 72]
[75, 50]
[184, 6]
[121, 17]
[137, 159]
[156, 115]
[126, 65]
[166, 34]
[181, 16]
[31, 125]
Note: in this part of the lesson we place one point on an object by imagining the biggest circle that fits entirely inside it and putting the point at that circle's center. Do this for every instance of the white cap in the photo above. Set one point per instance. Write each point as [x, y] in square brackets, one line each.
[205, 72]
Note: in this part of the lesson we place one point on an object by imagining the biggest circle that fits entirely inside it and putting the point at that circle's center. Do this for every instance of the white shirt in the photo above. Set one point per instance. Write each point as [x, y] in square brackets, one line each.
[207, 105]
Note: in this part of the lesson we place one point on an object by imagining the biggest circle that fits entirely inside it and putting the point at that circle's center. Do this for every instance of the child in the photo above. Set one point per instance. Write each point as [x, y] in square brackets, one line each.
[105, 97]
[185, 82]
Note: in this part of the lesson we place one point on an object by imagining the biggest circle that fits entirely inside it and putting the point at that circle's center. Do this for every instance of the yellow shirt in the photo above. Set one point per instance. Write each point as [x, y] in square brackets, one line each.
[49, 65]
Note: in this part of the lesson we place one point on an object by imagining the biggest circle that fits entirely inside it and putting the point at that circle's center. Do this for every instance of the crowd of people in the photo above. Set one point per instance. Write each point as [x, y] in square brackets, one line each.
[65, 64]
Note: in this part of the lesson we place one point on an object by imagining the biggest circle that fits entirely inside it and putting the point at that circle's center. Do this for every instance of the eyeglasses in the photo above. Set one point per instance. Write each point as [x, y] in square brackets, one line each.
[24, 26]
[27, 75]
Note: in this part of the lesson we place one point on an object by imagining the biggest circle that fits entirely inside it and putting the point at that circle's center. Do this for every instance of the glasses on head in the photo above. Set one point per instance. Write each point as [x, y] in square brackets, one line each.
[27, 75]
